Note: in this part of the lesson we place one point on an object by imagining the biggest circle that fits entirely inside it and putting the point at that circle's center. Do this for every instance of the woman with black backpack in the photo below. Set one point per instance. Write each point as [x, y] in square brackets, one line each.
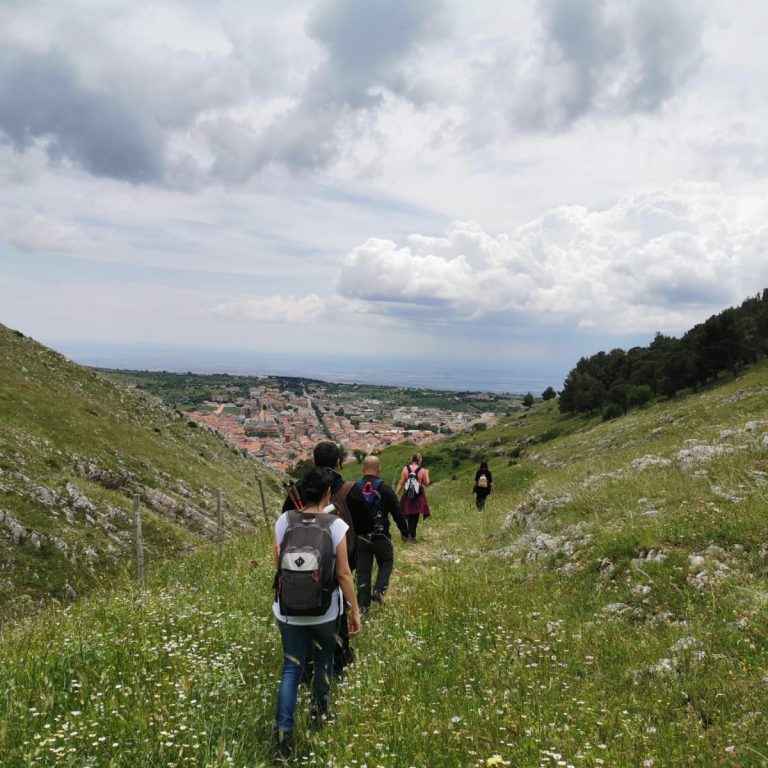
[309, 595]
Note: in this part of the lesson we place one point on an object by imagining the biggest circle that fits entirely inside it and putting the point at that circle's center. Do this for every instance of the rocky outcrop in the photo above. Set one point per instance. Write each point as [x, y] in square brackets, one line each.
[107, 478]
[17, 532]
[181, 513]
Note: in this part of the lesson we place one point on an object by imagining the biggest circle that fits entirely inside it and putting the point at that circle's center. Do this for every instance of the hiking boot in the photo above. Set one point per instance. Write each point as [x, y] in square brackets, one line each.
[378, 597]
[284, 746]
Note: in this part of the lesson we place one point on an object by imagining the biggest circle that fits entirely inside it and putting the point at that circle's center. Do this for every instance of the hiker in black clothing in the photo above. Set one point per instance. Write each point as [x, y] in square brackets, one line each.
[382, 501]
[351, 507]
[483, 485]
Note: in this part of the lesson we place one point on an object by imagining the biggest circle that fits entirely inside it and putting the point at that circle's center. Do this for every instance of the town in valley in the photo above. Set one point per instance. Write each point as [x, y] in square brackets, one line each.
[278, 420]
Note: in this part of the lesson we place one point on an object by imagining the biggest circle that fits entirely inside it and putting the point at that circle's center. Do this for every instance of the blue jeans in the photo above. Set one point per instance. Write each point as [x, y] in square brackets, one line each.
[297, 638]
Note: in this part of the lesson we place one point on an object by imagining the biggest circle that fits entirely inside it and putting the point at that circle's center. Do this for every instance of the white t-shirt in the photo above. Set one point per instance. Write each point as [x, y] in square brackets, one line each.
[338, 532]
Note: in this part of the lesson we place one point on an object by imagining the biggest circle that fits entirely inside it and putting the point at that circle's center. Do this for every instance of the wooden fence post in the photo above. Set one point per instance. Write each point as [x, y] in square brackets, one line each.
[263, 502]
[220, 527]
[139, 540]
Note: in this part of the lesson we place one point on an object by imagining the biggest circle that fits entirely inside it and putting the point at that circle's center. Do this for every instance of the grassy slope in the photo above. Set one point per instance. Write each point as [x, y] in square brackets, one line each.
[601, 612]
[55, 417]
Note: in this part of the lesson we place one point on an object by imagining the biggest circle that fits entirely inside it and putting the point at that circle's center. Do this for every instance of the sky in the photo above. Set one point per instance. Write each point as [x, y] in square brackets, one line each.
[472, 184]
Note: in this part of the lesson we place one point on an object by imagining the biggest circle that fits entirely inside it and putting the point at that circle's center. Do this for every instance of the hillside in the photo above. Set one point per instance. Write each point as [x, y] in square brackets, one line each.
[74, 449]
[607, 609]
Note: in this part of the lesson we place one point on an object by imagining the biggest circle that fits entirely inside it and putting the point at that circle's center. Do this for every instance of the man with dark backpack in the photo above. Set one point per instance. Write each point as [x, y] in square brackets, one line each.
[350, 507]
[381, 501]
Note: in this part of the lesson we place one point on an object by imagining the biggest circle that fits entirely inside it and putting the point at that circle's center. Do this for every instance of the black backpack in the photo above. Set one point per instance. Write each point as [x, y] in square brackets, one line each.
[370, 491]
[306, 565]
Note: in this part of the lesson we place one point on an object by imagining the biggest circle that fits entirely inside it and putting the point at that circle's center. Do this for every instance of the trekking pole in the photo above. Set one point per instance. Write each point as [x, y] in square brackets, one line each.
[293, 495]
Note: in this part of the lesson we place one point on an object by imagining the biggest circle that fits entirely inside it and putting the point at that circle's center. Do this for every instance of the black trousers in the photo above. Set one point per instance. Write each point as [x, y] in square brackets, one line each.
[370, 548]
[413, 521]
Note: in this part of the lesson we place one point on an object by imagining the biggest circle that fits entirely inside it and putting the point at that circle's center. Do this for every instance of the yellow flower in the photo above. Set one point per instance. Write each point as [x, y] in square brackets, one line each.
[494, 760]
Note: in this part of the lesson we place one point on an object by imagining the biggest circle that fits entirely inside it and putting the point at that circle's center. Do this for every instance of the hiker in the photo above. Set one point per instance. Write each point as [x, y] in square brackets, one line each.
[413, 479]
[351, 507]
[301, 624]
[381, 501]
[483, 485]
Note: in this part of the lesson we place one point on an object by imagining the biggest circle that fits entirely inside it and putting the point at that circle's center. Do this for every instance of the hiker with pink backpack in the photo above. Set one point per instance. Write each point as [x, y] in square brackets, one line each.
[413, 480]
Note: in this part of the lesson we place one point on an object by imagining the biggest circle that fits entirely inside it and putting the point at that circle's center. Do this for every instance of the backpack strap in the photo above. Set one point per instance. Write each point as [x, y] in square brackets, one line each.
[345, 514]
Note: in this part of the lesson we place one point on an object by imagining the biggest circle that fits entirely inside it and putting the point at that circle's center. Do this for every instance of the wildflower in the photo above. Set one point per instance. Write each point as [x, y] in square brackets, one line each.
[648, 763]
[730, 748]
[495, 760]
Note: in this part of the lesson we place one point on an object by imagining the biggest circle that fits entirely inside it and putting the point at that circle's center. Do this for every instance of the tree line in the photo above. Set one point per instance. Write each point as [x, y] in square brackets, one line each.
[615, 381]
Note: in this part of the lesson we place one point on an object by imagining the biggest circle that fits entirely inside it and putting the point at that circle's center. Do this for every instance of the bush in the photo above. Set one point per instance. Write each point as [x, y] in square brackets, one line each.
[639, 395]
[612, 411]
[550, 434]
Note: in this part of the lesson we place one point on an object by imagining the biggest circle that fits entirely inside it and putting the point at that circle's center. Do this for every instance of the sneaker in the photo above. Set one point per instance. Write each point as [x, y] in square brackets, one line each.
[284, 746]
[377, 597]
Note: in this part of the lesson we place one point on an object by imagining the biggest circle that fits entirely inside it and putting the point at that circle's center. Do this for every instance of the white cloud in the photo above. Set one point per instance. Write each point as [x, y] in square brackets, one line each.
[650, 261]
[32, 231]
[587, 57]
[273, 310]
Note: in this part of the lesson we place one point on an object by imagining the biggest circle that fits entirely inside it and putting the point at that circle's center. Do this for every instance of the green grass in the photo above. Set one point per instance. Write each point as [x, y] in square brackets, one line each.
[473, 656]
[56, 418]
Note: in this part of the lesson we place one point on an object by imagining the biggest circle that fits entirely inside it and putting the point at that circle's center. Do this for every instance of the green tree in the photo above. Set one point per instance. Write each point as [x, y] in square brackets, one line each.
[300, 467]
[639, 395]
[529, 400]
[548, 394]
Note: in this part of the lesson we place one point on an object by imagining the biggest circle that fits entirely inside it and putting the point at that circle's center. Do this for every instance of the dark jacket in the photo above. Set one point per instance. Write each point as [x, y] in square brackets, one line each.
[389, 504]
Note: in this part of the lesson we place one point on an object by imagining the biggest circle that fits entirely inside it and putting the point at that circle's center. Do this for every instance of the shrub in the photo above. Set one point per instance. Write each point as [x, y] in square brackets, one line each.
[639, 395]
[612, 411]
[550, 434]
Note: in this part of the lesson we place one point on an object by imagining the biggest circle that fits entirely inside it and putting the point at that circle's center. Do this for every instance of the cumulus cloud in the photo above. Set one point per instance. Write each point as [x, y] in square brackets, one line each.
[273, 310]
[186, 94]
[367, 48]
[653, 261]
[591, 57]
[42, 101]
